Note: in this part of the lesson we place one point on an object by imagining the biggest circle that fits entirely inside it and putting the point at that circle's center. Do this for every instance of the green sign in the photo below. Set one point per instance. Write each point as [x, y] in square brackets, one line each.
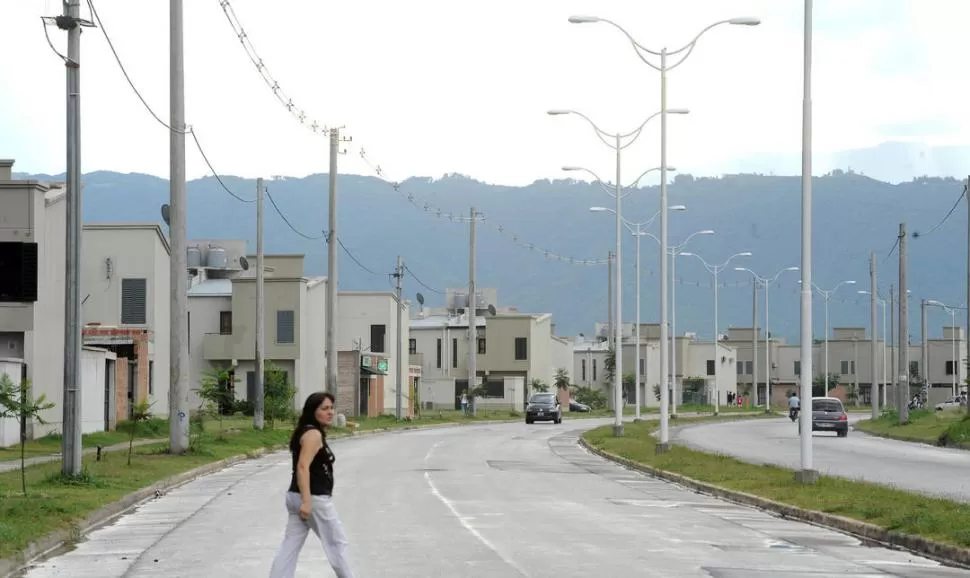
[382, 366]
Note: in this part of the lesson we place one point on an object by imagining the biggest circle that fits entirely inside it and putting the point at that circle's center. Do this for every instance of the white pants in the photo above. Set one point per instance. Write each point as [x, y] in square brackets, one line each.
[325, 524]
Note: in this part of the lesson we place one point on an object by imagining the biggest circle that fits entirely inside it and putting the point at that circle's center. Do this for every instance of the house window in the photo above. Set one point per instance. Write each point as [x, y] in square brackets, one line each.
[134, 301]
[710, 367]
[454, 352]
[188, 323]
[377, 335]
[594, 370]
[582, 368]
[495, 388]
[914, 369]
[797, 367]
[225, 322]
[521, 348]
[481, 346]
[749, 368]
[438, 353]
[642, 362]
[412, 346]
[285, 326]
[847, 368]
[151, 378]
[740, 368]
[949, 367]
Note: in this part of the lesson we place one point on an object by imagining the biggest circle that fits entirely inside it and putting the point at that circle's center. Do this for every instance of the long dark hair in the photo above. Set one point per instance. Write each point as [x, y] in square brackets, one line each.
[308, 417]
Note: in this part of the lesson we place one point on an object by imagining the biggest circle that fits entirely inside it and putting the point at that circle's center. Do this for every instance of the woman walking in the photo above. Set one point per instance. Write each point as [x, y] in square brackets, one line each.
[309, 501]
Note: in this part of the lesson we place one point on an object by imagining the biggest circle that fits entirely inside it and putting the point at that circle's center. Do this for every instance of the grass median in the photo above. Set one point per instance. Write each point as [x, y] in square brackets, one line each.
[54, 503]
[934, 518]
[950, 428]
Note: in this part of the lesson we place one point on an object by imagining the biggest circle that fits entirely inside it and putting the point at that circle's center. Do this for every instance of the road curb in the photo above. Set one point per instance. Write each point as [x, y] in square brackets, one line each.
[107, 514]
[870, 532]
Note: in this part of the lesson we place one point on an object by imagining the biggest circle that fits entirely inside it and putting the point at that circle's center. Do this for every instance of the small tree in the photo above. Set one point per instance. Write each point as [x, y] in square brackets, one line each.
[594, 398]
[656, 391]
[141, 411]
[561, 380]
[818, 384]
[629, 387]
[278, 395]
[16, 402]
[539, 386]
[215, 392]
[609, 365]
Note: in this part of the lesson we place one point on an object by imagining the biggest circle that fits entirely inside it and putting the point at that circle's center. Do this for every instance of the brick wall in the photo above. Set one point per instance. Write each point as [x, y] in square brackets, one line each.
[347, 365]
[141, 355]
[121, 389]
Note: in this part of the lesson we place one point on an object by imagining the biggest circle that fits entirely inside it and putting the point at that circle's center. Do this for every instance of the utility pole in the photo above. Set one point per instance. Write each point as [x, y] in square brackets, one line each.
[609, 299]
[472, 310]
[259, 409]
[892, 343]
[399, 275]
[332, 266]
[754, 341]
[178, 324]
[71, 440]
[873, 366]
[902, 393]
[966, 196]
[924, 346]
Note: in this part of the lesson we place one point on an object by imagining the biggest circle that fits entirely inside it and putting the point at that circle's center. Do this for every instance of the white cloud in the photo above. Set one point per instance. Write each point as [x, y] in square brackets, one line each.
[434, 87]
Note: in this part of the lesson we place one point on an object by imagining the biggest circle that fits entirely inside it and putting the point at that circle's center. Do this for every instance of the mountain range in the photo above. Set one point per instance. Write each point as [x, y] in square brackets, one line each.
[421, 219]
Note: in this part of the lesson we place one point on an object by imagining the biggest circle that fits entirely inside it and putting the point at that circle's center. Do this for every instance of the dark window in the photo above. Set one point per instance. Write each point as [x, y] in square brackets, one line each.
[438, 353]
[454, 352]
[134, 301]
[642, 363]
[495, 388]
[225, 322]
[151, 378]
[412, 346]
[798, 368]
[521, 348]
[285, 326]
[594, 370]
[832, 405]
[481, 346]
[582, 365]
[377, 335]
[18, 272]
[740, 367]
[188, 324]
[251, 386]
[914, 369]
[949, 367]
[710, 367]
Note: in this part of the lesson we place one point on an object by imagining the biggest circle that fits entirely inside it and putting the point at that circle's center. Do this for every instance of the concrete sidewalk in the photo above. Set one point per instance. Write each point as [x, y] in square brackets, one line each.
[14, 465]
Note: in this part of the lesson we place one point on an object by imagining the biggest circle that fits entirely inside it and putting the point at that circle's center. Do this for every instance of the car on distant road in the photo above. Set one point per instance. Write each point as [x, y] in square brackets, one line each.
[578, 407]
[952, 403]
[543, 407]
[828, 414]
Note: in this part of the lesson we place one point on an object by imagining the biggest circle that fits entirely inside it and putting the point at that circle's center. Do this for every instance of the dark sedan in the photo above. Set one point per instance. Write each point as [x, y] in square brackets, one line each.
[828, 414]
[543, 407]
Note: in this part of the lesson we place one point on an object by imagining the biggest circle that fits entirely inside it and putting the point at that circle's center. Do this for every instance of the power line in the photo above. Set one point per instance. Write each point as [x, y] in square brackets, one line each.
[356, 260]
[917, 234]
[320, 128]
[287, 221]
[422, 283]
[151, 111]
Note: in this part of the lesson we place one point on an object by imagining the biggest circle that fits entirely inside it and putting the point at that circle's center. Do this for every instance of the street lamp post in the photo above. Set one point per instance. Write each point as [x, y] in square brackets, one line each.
[826, 295]
[674, 251]
[953, 345]
[637, 230]
[715, 270]
[618, 145]
[766, 281]
[684, 51]
[885, 373]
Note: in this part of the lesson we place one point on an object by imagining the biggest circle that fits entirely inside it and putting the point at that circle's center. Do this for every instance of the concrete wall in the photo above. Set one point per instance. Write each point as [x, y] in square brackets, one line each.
[204, 314]
[357, 311]
[9, 428]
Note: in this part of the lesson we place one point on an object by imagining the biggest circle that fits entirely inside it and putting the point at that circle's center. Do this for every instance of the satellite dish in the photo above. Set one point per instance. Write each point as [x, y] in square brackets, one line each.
[166, 214]
[491, 309]
[420, 299]
[244, 263]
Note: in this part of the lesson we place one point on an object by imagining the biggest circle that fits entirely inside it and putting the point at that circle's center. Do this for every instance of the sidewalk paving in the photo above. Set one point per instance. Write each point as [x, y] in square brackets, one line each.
[14, 465]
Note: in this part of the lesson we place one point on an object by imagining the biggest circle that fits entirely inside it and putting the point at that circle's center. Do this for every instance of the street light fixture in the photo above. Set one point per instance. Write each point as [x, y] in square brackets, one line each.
[766, 281]
[826, 295]
[953, 344]
[715, 270]
[637, 230]
[618, 145]
[663, 67]
[885, 372]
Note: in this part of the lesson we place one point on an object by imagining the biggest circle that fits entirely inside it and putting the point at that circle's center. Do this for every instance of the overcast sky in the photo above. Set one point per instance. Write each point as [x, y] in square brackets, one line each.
[429, 87]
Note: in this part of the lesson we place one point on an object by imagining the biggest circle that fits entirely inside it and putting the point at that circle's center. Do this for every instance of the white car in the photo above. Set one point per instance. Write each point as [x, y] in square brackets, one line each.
[952, 403]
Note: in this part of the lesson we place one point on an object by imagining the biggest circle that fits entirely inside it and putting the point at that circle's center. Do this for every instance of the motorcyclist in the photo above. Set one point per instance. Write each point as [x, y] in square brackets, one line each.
[794, 404]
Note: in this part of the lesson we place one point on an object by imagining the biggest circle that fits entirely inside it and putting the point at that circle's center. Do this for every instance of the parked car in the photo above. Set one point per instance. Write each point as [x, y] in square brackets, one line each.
[578, 407]
[828, 414]
[543, 407]
[952, 403]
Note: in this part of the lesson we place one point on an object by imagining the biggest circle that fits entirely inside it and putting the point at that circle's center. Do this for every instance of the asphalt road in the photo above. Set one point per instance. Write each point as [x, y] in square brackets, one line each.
[910, 466]
[497, 501]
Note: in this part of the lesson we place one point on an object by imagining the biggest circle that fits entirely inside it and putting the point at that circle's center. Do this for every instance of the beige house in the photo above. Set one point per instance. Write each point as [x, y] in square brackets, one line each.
[511, 350]
[295, 325]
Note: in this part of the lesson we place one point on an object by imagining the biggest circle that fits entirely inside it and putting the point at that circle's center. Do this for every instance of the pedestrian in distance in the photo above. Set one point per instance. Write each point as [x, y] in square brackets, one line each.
[309, 500]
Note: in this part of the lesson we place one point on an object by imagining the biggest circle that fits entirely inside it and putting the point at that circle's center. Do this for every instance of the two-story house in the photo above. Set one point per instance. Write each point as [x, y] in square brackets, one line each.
[511, 350]
[294, 325]
[125, 306]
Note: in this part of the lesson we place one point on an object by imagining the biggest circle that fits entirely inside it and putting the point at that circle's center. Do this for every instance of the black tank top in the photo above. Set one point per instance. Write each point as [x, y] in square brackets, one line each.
[321, 470]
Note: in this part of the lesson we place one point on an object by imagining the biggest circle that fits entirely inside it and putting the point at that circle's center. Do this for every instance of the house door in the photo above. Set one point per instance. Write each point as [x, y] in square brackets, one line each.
[109, 394]
[364, 388]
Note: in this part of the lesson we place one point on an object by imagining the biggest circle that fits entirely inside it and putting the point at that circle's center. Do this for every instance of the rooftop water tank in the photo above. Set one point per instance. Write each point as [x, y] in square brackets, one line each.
[194, 257]
[216, 258]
